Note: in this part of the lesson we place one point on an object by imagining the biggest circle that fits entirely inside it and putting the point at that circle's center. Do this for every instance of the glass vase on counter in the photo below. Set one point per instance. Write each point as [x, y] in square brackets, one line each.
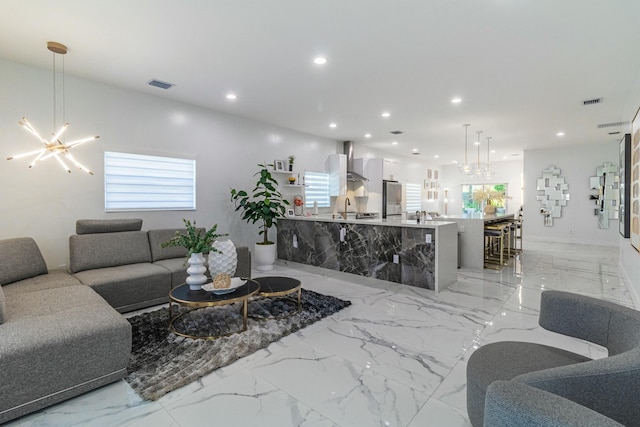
[298, 205]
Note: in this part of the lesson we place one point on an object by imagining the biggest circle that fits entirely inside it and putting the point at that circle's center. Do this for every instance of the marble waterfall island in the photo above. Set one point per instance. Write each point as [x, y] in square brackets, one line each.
[422, 255]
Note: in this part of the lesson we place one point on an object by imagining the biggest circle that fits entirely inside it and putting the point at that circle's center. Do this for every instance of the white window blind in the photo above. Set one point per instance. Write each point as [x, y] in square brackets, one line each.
[317, 189]
[414, 197]
[135, 182]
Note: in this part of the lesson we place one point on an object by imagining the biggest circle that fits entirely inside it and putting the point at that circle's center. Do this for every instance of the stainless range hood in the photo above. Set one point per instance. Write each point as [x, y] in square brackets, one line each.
[351, 175]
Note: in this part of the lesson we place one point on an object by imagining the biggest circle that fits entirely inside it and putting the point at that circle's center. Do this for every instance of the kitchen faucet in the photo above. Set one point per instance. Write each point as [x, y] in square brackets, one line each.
[346, 202]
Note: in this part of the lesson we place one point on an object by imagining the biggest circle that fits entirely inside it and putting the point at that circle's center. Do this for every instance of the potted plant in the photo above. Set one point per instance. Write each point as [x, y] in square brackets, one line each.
[196, 244]
[265, 205]
[292, 159]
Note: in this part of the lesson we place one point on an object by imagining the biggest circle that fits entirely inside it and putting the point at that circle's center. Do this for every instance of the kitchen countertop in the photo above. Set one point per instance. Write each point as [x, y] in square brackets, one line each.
[480, 216]
[378, 221]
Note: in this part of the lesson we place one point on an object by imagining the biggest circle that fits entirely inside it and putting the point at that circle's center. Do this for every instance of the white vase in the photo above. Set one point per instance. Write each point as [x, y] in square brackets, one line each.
[196, 270]
[224, 261]
[265, 256]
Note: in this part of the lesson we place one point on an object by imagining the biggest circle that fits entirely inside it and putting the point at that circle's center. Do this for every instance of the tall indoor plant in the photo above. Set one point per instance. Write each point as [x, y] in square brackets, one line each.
[265, 204]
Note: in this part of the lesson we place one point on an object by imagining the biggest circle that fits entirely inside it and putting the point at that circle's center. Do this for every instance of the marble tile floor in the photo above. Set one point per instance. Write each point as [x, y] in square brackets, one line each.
[396, 357]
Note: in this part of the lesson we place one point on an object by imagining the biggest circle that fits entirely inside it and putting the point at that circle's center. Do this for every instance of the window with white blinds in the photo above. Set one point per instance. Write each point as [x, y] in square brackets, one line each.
[414, 197]
[317, 189]
[135, 182]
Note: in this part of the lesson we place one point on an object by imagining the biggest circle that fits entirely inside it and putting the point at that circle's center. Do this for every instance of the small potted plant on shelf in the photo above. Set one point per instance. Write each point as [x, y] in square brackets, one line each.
[292, 159]
[265, 204]
[197, 243]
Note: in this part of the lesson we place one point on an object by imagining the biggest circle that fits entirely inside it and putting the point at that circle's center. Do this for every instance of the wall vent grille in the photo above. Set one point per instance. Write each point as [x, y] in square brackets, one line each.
[160, 84]
[612, 125]
[592, 101]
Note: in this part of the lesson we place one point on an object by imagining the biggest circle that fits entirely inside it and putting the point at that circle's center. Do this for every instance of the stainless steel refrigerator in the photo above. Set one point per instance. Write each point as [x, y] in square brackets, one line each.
[391, 199]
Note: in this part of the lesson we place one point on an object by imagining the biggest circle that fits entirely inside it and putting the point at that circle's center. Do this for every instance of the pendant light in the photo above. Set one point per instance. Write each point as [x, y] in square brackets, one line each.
[465, 168]
[479, 169]
[489, 171]
[54, 147]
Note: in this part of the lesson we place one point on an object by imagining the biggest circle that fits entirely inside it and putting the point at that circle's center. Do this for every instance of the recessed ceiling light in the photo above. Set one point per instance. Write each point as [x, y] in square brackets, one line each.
[386, 114]
[455, 162]
[560, 133]
[456, 100]
[394, 143]
[493, 151]
[319, 60]
[232, 96]
[333, 125]
[437, 156]
[367, 135]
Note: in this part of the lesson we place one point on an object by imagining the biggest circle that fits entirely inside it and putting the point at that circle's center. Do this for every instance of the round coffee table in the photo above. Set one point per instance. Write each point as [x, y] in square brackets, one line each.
[280, 287]
[181, 295]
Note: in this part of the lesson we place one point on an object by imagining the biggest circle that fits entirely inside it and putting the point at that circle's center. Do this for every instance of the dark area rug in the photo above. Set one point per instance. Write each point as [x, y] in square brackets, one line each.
[162, 361]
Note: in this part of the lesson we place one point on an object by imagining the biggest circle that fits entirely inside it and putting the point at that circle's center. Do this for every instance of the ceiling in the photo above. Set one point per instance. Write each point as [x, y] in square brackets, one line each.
[521, 67]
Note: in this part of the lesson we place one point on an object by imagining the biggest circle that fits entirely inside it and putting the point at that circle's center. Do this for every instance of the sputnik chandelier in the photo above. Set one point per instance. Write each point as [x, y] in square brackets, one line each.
[54, 147]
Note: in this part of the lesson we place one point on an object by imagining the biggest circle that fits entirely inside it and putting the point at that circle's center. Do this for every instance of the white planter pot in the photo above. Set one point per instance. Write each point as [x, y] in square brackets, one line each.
[225, 261]
[196, 270]
[265, 256]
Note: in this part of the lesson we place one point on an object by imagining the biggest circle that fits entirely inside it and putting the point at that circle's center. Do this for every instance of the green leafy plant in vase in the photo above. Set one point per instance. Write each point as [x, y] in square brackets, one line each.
[197, 243]
[265, 205]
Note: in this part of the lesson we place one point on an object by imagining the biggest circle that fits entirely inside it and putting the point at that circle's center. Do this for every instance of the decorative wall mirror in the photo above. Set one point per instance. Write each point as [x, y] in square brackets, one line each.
[554, 195]
[607, 183]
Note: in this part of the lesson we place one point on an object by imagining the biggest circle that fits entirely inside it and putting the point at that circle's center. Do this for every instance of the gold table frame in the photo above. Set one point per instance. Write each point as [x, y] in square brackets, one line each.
[284, 286]
[202, 299]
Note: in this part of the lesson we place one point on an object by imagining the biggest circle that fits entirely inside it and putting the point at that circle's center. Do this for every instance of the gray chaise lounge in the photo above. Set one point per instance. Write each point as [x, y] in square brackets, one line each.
[58, 338]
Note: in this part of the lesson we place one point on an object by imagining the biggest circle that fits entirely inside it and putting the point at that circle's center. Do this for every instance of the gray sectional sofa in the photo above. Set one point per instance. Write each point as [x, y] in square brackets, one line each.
[127, 266]
[61, 333]
[58, 338]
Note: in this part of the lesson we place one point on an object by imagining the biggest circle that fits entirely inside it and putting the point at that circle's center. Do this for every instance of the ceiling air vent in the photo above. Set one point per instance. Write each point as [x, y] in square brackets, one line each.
[160, 84]
[592, 101]
[397, 132]
[612, 125]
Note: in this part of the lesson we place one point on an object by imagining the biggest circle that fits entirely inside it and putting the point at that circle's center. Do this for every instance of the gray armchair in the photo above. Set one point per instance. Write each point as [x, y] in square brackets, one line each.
[573, 383]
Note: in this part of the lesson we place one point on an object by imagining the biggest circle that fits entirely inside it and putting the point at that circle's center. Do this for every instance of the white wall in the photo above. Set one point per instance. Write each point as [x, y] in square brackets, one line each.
[509, 172]
[578, 223]
[44, 202]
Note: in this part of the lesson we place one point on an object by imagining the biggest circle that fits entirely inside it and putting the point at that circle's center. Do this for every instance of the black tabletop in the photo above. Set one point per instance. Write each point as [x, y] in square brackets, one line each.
[274, 284]
[183, 293]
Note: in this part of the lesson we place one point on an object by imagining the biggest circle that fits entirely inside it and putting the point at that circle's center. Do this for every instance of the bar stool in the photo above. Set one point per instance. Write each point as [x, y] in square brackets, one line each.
[494, 239]
[518, 235]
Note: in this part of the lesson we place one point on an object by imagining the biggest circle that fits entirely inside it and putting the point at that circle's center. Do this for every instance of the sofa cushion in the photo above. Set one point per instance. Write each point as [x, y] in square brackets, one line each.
[55, 279]
[178, 269]
[20, 258]
[90, 226]
[2, 310]
[90, 251]
[157, 237]
[127, 286]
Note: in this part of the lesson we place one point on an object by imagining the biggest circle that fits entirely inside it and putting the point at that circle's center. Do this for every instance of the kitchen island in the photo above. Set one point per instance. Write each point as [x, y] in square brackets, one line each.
[423, 255]
[471, 229]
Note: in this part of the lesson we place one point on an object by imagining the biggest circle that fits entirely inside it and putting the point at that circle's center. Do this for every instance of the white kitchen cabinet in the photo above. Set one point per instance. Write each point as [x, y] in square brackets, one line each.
[373, 171]
[337, 168]
[390, 169]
